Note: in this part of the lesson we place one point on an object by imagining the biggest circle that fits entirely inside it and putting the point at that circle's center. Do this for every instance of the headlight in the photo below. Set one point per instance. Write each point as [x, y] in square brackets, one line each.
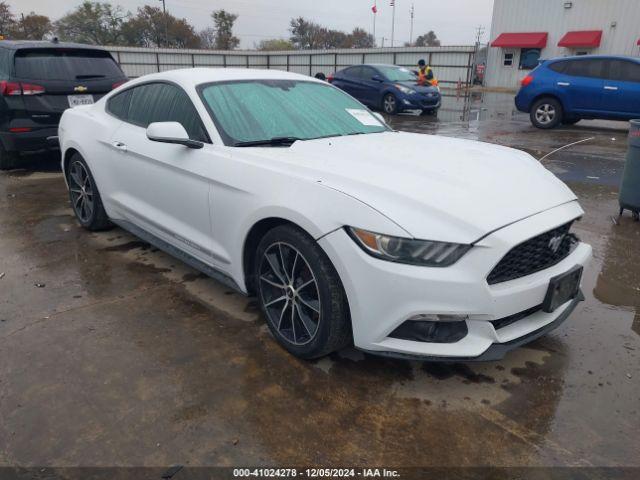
[405, 90]
[408, 250]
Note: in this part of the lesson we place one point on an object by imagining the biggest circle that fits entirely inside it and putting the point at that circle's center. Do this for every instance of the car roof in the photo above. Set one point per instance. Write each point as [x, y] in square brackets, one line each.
[19, 44]
[192, 77]
[596, 57]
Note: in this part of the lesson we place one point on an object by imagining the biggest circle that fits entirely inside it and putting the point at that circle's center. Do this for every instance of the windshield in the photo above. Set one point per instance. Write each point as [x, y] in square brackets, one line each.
[260, 110]
[398, 74]
[65, 64]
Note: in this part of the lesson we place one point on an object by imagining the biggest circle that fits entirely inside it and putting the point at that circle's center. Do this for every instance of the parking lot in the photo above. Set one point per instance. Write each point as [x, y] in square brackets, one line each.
[113, 353]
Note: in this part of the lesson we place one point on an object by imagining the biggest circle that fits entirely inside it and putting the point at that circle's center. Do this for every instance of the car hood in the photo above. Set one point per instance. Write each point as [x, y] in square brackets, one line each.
[435, 188]
[419, 88]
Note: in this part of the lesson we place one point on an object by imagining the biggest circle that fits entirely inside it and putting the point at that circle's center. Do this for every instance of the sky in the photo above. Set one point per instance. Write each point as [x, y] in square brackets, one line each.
[454, 21]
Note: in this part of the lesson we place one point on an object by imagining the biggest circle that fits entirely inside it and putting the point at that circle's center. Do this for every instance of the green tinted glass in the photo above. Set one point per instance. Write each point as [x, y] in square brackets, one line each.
[256, 110]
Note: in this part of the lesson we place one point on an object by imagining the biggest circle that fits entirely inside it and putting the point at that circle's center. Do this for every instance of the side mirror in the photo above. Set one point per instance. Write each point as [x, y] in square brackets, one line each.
[377, 78]
[171, 132]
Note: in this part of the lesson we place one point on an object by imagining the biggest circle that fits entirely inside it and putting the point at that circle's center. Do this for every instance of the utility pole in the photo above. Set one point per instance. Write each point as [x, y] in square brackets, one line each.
[24, 27]
[393, 21]
[383, 39]
[166, 24]
[479, 34]
[411, 32]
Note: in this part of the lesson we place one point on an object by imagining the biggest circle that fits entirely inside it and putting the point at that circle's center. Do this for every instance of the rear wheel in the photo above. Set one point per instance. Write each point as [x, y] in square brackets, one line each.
[300, 294]
[546, 113]
[84, 195]
[390, 104]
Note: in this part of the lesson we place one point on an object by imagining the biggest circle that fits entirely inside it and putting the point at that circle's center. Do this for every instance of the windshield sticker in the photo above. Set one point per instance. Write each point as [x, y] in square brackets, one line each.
[364, 117]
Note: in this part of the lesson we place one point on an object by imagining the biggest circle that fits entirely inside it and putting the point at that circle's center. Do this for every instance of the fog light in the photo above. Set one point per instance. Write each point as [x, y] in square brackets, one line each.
[432, 328]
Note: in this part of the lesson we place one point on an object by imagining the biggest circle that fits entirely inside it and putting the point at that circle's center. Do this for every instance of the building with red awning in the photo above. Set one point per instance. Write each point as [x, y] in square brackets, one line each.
[525, 32]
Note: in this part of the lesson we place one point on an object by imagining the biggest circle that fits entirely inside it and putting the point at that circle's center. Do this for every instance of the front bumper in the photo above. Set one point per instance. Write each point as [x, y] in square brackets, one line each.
[382, 295]
[420, 102]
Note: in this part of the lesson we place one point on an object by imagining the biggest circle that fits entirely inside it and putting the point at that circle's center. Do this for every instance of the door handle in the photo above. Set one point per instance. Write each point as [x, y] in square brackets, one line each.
[564, 84]
[120, 146]
[608, 87]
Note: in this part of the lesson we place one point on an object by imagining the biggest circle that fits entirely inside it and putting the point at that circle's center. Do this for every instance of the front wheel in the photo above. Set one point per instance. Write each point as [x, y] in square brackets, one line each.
[546, 113]
[390, 104]
[300, 294]
[84, 195]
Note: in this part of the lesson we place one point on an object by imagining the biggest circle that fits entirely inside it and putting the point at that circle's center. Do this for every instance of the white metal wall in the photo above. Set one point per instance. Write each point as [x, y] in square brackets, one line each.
[451, 64]
[619, 21]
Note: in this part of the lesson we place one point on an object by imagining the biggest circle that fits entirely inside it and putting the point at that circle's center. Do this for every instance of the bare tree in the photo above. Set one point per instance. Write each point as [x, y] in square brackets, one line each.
[429, 39]
[7, 19]
[223, 26]
[32, 27]
[92, 22]
[150, 25]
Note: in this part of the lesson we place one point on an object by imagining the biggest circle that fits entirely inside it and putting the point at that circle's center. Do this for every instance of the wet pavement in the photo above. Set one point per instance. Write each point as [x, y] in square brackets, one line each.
[113, 353]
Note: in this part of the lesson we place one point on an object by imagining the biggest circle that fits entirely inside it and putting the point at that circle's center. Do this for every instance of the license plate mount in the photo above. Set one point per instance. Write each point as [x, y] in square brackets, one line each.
[562, 288]
[77, 100]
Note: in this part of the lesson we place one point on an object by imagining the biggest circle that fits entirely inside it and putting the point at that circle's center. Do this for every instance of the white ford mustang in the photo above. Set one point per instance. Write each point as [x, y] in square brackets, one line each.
[286, 188]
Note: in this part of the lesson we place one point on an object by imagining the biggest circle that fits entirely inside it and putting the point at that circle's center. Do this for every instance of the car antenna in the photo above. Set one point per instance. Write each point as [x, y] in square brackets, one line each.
[565, 146]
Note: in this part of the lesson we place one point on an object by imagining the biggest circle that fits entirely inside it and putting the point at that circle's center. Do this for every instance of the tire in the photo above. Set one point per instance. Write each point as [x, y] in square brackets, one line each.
[84, 196]
[390, 104]
[8, 160]
[305, 305]
[570, 121]
[546, 113]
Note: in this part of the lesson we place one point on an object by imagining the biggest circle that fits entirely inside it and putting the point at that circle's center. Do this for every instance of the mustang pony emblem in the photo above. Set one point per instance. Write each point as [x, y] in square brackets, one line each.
[80, 89]
[555, 242]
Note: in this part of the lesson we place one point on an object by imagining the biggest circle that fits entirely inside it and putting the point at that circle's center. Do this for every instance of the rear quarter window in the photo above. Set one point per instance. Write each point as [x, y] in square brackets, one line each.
[5, 64]
[65, 64]
[118, 105]
[558, 67]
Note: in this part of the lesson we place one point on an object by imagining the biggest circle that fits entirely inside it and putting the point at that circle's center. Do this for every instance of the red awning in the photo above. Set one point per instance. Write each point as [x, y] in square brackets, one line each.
[521, 40]
[584, 38]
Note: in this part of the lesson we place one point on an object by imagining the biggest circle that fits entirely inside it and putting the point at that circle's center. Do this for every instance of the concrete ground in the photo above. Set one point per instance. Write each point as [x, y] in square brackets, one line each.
[113, 353]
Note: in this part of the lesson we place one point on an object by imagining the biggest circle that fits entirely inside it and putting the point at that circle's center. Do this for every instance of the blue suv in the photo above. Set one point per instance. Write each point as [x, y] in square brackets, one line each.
[566, 90]
[387, 87]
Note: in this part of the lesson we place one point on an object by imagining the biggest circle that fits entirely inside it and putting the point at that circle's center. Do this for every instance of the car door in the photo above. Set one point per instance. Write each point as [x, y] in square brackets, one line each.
[370, 89]
[621, 91]
[163, 188]
[581, 85]
[352, 81]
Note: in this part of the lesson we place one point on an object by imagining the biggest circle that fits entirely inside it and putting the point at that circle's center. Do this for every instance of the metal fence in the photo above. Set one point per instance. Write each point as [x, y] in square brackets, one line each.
[451, 64]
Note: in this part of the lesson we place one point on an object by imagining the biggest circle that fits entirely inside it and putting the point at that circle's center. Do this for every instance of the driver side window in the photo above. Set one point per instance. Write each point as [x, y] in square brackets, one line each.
[163, 102]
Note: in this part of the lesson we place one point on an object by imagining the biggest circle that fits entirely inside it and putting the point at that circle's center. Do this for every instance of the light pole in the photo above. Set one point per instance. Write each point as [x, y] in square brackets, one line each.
[411, 34]
[166, 24]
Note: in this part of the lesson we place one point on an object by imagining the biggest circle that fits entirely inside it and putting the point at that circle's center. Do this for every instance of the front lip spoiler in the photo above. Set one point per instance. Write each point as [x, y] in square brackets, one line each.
[496, 351]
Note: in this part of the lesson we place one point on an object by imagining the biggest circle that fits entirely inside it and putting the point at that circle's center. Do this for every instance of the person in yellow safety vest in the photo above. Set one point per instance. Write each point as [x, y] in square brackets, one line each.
[425, 74]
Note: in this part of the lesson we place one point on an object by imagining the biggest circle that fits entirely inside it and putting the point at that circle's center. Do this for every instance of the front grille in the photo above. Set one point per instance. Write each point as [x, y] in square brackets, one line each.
[534, 255]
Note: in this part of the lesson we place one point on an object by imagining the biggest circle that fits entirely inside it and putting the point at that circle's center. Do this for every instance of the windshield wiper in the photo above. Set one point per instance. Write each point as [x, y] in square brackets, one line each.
[82, 77]
[275, 141]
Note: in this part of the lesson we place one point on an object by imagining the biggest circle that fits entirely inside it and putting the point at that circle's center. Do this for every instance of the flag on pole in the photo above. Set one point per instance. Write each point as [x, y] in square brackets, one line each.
[374, 9]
